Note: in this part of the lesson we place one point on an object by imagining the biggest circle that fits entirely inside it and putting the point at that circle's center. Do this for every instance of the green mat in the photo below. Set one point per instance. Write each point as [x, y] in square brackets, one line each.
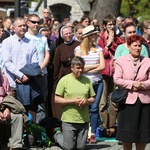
[104, 139]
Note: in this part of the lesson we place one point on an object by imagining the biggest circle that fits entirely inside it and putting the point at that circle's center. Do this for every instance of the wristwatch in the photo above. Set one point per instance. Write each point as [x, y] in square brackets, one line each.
[107, 46]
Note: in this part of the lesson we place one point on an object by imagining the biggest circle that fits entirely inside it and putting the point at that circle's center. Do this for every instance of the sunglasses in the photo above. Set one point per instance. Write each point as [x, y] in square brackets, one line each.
[34, 22]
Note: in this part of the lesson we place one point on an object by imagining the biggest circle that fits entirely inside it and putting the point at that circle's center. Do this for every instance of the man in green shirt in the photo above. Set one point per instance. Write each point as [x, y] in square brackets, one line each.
[75, 93]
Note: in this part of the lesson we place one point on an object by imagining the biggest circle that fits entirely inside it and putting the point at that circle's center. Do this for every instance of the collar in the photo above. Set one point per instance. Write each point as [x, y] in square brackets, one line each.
[18, 38]
[129, 57]
[69, 42]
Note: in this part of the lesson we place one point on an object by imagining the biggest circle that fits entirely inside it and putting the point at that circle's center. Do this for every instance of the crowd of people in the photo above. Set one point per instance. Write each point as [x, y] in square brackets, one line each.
[68, 70]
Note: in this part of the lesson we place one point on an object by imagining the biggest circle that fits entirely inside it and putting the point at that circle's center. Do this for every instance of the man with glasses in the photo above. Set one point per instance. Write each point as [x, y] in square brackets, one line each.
[46, 17]
[44, 56]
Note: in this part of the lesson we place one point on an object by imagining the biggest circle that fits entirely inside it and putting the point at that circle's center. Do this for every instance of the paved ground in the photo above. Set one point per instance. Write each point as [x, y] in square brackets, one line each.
[98, 146]
[109, 146]
[101, 145]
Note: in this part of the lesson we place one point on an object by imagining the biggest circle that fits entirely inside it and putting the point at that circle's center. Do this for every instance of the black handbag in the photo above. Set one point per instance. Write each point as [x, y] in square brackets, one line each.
[119, 95]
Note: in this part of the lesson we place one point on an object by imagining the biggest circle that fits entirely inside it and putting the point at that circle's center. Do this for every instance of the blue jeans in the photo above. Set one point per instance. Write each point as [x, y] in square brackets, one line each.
[94, 108]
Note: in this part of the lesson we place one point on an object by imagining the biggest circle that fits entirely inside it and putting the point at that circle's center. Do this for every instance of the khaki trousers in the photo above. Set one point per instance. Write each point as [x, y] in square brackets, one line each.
[13, 130]
[108, 109]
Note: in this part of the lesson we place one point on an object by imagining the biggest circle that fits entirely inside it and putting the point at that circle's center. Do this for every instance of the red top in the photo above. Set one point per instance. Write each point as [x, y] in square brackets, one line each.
[109, 53]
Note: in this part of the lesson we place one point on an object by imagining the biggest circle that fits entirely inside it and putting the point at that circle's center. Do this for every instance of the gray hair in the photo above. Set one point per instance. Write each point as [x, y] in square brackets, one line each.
[16, 19]
[77, 61]
[120, 18]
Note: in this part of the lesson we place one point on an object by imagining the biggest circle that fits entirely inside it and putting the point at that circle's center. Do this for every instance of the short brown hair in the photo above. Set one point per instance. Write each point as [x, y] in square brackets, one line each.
[109, 18]
[129, 24]
[33, 15]
[84, 17]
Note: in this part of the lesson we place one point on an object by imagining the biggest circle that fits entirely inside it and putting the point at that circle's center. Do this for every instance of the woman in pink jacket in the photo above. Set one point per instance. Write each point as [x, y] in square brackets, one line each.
[134, 115]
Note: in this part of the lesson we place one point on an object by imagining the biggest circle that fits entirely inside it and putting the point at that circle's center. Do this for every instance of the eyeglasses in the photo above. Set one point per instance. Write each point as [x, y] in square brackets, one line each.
[34, 22]
[46, 12]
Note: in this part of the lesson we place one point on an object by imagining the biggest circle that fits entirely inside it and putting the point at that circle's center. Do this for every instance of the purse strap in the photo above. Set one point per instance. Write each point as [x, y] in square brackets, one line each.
[138, 69]
[137, 73]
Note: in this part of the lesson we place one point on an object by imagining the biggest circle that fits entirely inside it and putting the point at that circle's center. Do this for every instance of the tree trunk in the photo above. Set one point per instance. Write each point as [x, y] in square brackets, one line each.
[102, 8]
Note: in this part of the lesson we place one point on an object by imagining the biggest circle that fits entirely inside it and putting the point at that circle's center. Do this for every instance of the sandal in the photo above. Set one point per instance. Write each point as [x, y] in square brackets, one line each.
[110, 132]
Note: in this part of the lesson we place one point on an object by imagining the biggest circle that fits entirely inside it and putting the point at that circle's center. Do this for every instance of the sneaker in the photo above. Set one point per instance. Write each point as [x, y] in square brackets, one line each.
[57, 130]
[119, 143]
[92, 139]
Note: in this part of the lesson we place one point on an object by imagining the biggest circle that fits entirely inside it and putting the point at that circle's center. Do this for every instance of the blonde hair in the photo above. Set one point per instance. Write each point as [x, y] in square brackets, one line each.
[84, 46]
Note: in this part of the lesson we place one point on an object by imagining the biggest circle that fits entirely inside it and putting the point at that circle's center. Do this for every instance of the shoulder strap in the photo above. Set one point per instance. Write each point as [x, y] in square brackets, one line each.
[137, 72]
[141, 58]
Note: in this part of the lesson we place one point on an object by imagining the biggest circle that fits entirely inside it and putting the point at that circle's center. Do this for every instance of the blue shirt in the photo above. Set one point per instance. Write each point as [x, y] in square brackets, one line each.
[41, 45]
[16, 53]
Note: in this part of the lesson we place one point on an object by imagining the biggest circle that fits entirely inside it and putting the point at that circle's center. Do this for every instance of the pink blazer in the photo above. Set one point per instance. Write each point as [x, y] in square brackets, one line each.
[124, 75]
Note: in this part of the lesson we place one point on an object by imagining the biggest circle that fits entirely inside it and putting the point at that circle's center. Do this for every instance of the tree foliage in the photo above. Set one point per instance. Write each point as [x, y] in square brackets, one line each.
[136, 8]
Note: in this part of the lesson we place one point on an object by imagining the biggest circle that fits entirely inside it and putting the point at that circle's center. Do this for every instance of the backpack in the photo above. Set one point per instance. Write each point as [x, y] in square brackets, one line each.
[36, 136]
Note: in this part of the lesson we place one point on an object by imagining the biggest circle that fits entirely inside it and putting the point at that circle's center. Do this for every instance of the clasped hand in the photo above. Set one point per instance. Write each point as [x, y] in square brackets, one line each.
[80, 101]
[137, 86]
[5, 115]
[23, 80]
